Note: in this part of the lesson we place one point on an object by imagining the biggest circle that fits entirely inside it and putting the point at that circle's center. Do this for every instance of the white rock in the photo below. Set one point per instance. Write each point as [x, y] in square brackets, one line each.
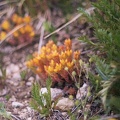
[16, 76]
[64, 114]
[15, 68]
[54, 92]
[31, 79]
[64, 104]
[29, 118]
[20, 65]
[17, 104]
[12, 68]
[29, 84]
[82, 91]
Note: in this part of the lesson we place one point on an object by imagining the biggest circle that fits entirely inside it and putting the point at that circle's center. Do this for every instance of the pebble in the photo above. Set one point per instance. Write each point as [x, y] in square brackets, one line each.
[31, 79]
[15, 68]
[64, 104]
[29, 118]
[28, 83]
[17, 104]
[54, 92]
[82, 92]
[13, 71]
[64, 114]
[16, 76]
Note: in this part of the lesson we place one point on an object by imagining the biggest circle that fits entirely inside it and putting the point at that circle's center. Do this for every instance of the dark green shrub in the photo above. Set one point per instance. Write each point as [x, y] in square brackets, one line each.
[106, 22]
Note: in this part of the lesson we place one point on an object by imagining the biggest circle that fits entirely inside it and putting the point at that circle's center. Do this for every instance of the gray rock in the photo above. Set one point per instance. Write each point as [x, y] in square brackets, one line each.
[17, 104]
[54, 92]
[13, 71]
[16, 76]
[64, 104]
[29, 84]
[82, 92]
[31, 79]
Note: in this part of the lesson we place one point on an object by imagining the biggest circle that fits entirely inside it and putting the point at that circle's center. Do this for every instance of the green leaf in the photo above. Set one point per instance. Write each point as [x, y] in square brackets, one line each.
[42, 102]
[3, 112]
[23, 74]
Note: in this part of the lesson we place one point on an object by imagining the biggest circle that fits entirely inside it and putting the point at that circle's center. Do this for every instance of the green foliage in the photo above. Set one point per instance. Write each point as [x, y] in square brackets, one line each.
[3, 112]
[42, 102]
[49, 28]
[23, 74]
[106, 22]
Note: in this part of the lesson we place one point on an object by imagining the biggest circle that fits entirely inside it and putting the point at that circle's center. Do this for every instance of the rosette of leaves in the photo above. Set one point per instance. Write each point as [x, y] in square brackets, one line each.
[41, 102]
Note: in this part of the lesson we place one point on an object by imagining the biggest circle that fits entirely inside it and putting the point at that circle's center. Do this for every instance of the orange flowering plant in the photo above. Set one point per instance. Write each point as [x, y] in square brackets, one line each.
[24, 34]
[58, 62]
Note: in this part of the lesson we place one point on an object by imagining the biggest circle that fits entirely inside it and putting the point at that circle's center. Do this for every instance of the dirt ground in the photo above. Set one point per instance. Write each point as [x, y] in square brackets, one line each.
[13, 59]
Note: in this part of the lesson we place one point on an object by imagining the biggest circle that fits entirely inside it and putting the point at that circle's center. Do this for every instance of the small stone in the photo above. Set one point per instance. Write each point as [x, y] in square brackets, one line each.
[82, 91]
[17, 104]
[54, 92]
[12, 68]
[64, 114]
[3, 92]
[29, 118]
[16, 76]
[64, 104]
[29, 84]
[15, 68]
[31, 79]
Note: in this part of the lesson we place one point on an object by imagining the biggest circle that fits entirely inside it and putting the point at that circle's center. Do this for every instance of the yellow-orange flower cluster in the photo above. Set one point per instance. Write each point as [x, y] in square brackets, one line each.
[54, 60]
[24, 34]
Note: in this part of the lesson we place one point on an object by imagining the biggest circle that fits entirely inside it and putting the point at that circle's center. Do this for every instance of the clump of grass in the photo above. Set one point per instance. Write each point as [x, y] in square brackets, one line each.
[42, 102]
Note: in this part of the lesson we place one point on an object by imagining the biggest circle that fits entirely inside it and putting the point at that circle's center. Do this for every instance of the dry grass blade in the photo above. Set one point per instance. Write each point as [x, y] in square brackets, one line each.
[3, 12]
[11, 32]
[41, 39]
[68, 23]
[7, 2]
